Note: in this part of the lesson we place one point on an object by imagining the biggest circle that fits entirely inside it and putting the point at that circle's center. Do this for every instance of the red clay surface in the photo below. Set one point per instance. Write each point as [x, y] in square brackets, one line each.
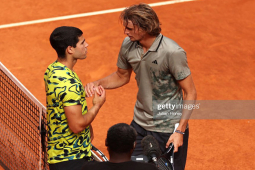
[217, 35]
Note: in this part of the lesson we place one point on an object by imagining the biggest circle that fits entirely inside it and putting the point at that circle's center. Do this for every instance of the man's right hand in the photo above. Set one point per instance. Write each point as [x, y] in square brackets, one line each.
[90, 89]
[115, 80]
[99, 97]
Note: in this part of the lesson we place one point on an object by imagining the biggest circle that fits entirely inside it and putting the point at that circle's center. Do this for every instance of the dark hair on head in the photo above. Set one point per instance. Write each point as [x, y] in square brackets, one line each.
[143, 16]
[64, 36]
[121, 138]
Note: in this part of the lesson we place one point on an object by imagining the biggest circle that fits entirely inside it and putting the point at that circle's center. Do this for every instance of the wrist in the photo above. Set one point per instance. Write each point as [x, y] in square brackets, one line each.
[180, 132]
[96, 83]
[97, 106]
[182, 127]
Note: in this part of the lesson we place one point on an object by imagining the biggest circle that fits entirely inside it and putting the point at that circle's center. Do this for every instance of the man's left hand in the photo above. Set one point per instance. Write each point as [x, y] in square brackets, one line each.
[176, 139]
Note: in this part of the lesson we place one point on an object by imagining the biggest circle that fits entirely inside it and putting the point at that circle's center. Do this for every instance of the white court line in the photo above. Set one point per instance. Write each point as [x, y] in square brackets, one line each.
[84, 14]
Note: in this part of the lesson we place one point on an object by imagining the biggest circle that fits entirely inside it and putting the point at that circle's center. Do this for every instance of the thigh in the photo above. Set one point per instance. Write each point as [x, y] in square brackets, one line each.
[67, 165]
[181, 156]
[141, 133]
[162, 139]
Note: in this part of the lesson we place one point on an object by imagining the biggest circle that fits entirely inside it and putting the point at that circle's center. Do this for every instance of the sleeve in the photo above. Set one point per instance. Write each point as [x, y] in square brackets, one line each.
[71, 94]
[122, 59]
[178, 65]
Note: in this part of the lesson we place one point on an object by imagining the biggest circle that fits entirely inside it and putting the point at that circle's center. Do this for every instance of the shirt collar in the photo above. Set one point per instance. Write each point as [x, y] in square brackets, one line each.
[155, 44]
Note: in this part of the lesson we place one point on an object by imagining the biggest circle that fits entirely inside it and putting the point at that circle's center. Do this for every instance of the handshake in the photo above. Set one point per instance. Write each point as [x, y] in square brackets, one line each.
[98, 92]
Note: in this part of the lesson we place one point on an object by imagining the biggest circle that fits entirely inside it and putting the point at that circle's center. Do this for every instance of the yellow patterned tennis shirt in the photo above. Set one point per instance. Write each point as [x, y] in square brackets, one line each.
[64, 88]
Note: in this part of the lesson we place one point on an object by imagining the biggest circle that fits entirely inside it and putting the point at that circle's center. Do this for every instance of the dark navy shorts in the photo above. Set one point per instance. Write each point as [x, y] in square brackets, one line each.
[162, 138]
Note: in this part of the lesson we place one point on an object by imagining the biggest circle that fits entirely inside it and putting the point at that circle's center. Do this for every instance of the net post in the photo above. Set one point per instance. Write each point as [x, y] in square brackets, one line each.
[40, 130]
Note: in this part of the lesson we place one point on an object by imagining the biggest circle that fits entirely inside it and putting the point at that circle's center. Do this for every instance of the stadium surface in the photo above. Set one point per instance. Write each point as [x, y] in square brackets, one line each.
[217, 35]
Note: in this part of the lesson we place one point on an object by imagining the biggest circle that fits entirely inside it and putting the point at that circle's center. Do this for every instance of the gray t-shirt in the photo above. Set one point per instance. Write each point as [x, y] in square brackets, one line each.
[157, 72]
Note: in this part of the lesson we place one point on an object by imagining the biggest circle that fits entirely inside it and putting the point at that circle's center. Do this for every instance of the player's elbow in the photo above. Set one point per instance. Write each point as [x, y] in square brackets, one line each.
[190, 95]
[123, 76]
[123, 81]
[76, 128]
[126, 80]
[194, 94]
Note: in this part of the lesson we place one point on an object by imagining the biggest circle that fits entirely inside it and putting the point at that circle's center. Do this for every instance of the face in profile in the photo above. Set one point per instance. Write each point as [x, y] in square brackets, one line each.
[133, 31]
[80, 51]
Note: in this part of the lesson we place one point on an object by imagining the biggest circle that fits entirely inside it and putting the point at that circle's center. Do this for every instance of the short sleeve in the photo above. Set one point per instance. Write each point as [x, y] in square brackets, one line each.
[71, 94]
[122, 60]
[178, 65]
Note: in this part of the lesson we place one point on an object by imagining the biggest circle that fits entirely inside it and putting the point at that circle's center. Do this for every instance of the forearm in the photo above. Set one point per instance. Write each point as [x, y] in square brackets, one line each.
[89, 116]
[112, 81]
[77, 121]
[85, 120]
[189, 99]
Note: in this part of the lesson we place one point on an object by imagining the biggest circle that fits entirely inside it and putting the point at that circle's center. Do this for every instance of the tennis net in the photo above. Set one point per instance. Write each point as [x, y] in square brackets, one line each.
[22, 126]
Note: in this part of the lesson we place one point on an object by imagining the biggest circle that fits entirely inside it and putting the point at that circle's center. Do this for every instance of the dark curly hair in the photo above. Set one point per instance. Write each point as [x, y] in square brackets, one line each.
[121, 138]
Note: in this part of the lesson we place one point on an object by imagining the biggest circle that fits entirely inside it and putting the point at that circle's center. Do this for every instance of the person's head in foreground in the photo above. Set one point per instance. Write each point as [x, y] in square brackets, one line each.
[120, 142]
[69, 41]
[140, 20]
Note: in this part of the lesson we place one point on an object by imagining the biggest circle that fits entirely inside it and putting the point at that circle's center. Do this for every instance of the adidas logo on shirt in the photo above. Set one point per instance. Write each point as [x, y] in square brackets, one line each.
[155, 62]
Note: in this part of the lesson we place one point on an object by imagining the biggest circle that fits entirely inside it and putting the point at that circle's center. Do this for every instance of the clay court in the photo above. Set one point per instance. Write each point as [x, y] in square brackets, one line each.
[218, 36]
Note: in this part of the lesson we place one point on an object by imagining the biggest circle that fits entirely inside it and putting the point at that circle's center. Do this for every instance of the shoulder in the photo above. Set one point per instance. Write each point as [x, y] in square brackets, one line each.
[58, 75]
[59, 72]
[126, 44]
[170, 46]
[126, 41]
[57, 68]
[142, 165]
[93, 165]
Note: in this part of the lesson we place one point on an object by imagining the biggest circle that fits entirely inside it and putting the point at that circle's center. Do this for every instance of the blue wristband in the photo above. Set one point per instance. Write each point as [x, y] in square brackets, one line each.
[178, 131]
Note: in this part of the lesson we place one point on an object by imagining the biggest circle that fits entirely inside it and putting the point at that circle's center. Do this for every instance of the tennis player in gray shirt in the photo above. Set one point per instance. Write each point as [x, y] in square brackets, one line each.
[163, 78]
